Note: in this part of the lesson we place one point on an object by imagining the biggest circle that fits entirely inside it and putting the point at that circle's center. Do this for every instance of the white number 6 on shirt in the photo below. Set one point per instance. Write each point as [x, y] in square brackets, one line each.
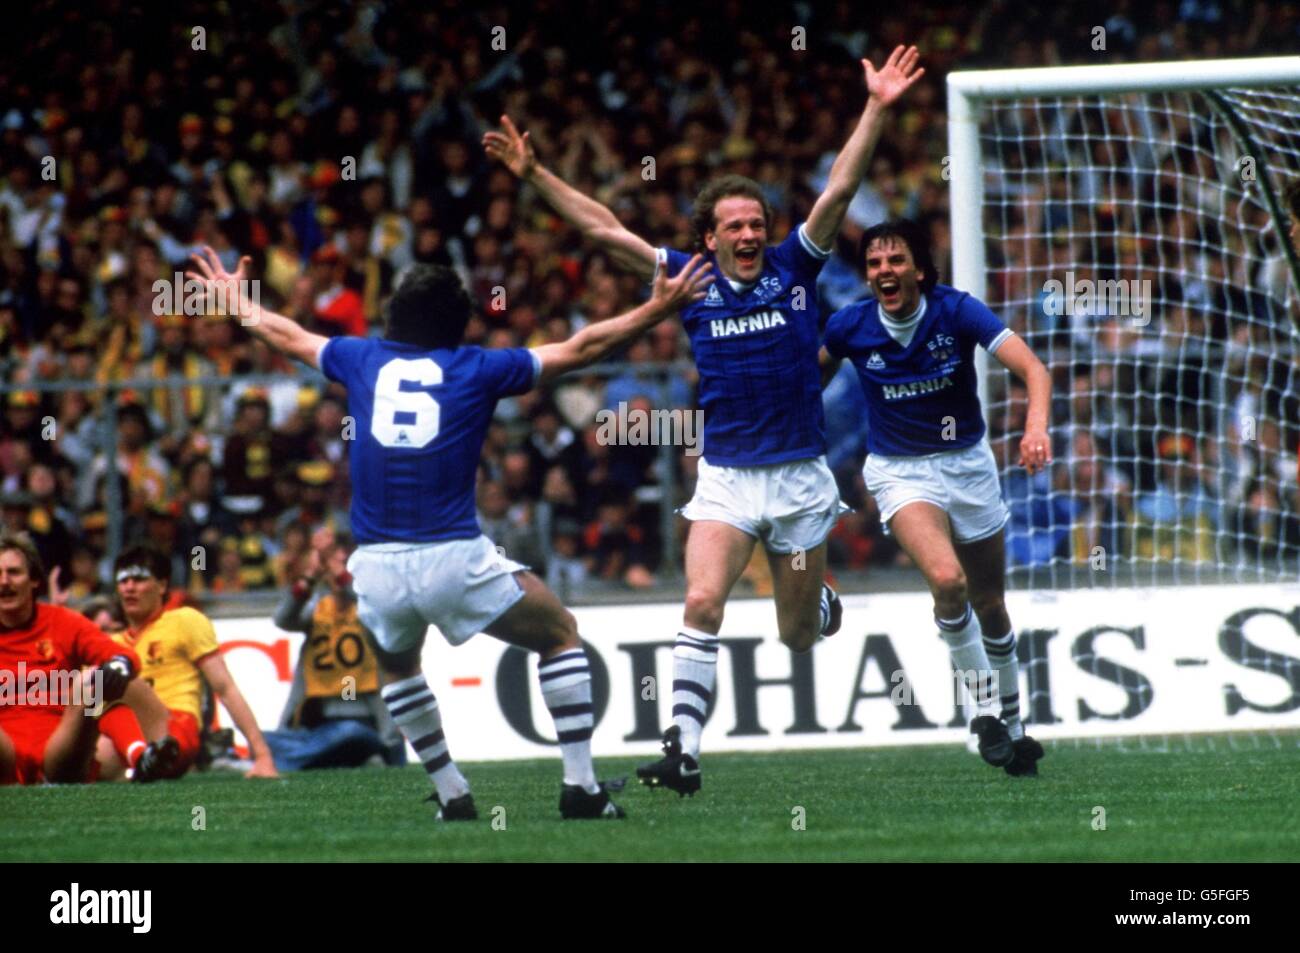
[406, 418]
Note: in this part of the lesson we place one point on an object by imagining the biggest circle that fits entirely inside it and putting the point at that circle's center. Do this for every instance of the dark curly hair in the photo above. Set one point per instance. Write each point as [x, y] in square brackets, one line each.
[703, 218]
[910, 234]
[430, 308]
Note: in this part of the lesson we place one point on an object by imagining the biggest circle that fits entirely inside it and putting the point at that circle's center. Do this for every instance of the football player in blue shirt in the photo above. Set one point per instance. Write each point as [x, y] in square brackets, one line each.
[763, 476]
[930, 467]
[422, 404]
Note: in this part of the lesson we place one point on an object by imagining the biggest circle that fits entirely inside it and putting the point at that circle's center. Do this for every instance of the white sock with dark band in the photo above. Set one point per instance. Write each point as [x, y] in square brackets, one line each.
[966, 648]
[695, 673]
[1002, 656]
[566, 689]
[414, 710]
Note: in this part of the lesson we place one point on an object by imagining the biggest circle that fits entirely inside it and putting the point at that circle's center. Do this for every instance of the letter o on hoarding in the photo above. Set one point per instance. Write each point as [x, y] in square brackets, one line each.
[514, 684]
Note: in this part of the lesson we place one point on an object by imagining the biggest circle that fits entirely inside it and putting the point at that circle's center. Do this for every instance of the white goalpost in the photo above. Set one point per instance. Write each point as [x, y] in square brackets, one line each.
[1127, 220]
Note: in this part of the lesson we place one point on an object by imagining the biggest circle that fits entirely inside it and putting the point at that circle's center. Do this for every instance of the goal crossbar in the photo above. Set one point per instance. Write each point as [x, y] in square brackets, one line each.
[967, 88]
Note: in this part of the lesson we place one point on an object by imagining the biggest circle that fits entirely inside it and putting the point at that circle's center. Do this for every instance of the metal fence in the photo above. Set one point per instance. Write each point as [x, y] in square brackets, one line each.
[658, 376]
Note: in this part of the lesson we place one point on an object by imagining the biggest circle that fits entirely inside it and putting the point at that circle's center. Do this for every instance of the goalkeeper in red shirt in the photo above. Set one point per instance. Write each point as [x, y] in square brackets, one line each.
[49, 706]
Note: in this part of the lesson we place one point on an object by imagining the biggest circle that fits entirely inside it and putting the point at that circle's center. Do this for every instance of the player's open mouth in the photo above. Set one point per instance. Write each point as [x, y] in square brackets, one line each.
[747, 256]
[888, 287]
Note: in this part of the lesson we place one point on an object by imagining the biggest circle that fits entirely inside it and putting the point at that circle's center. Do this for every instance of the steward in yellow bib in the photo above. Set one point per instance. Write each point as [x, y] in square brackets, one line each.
[336, 679]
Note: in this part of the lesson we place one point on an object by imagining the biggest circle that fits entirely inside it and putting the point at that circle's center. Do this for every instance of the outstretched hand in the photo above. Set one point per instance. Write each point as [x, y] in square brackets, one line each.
[226, 293]
[691, 284]
[511, 148]
[894, 78]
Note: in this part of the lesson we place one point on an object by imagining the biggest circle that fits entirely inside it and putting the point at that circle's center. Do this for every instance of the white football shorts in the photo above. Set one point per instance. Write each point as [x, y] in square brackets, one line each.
[963, 483]
[788, 506]
[459, 585]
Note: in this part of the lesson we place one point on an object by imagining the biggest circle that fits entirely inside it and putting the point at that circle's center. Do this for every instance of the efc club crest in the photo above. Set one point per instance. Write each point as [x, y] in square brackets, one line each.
[941, 347]
[45, 649]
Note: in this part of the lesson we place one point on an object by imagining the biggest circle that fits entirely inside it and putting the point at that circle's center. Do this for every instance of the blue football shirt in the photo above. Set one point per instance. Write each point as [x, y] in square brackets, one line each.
[756, 353]
[421, 417]
[917, 395]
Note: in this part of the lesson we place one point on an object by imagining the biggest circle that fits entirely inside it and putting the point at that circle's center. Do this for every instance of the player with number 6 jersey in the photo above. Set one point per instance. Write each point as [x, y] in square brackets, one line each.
[422, 420]
[422, 403]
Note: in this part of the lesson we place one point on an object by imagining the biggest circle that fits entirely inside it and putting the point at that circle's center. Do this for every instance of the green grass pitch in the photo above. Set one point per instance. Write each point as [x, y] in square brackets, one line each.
[1220, 799]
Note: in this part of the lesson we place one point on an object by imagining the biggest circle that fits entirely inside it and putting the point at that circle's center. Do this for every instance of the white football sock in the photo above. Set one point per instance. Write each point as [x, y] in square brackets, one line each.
[966, 648]
[695, 673]
[566, 689]
[414, 710]
[1002, 656]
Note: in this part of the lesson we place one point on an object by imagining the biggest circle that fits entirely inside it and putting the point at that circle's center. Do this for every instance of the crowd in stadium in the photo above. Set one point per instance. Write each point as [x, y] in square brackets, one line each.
[337, 145]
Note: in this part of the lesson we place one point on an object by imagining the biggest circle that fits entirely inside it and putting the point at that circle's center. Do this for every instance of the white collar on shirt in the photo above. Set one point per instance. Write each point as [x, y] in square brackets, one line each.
[903, 329]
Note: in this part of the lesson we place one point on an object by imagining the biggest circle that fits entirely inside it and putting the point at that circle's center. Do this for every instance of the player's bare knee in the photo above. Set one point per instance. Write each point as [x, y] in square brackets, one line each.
[799, 630]
[949, 588]
[703, 610]
[801, 639]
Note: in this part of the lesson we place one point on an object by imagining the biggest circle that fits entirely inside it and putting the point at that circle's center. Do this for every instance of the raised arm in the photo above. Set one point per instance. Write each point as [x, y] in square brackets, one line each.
[596, 340]
[883, 89]
[231, 294]
[597, 223]
[1035, 446]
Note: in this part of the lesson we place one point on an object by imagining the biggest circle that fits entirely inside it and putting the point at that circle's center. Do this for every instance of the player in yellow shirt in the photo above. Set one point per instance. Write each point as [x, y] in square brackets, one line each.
[178, 649]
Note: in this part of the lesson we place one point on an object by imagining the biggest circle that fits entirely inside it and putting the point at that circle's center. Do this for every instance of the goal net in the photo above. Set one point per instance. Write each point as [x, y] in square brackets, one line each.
[1132, 228]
